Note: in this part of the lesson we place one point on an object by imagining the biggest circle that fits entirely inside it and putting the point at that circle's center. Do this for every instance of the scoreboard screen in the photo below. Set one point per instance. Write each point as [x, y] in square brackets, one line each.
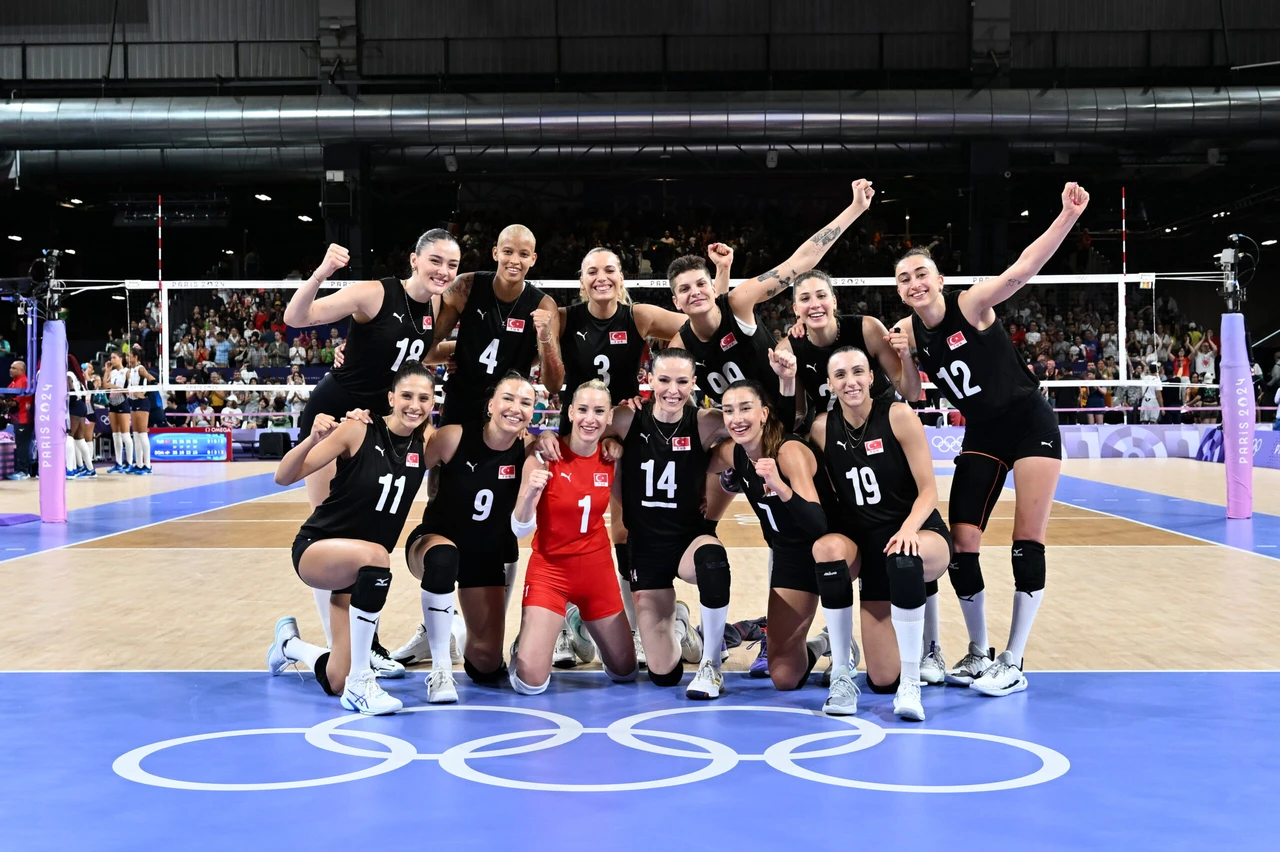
[196, 444]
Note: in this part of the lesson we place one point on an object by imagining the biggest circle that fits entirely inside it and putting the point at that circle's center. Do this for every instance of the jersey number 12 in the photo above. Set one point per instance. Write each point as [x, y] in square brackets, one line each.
[960, 370]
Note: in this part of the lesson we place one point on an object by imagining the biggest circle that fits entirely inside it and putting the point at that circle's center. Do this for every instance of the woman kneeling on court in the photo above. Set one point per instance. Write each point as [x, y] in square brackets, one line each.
[888, 531]
[345, 546]
[572, 559]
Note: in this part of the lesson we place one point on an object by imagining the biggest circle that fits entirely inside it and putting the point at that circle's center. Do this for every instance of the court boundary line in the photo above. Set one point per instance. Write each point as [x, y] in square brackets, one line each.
[1173, 532]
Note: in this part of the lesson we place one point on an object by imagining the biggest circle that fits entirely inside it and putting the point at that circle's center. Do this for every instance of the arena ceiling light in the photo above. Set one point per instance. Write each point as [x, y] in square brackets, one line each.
[228, 251]
[68, 251]
[262, 196]
[15, 238]
[76, 201]
[118, 297]
[304, 218]
[1268, 242]
[1025, 213]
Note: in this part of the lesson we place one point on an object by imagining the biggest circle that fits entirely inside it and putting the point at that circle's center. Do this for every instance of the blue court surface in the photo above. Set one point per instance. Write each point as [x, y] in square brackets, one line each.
[242, 761]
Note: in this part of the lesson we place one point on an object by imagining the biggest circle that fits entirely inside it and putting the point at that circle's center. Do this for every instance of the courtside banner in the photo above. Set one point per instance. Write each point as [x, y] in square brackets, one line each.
[1236, 389]
[50, 408]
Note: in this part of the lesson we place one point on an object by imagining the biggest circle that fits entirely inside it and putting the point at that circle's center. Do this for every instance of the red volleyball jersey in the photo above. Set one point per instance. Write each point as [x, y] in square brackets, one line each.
[571, 511]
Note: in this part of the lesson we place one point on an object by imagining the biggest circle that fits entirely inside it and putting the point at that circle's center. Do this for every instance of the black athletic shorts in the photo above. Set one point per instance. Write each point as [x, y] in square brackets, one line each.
[119, 407]
[300, 545]
[333, 399]
[794, 568]
[479, 563]
[143, 404]
[655, 560]
[1028, 429]
[873, 579]
[77, 407]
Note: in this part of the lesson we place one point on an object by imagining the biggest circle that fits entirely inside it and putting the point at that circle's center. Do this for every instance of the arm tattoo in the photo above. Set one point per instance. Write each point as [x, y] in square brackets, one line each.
[1015, 283]
[826, 237]
[784, 281]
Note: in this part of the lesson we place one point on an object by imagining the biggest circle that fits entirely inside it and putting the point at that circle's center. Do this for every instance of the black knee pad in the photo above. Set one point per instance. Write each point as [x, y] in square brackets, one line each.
[887, 689]
[369, 592]
[1028, 566]
[440, 569]
[322, 674]
[623, 554]
[975, 488]
[671, 678]
[906, 580]
[711, 566]
[931, 588]
[835, 585]
[965, 574]
[478, 676]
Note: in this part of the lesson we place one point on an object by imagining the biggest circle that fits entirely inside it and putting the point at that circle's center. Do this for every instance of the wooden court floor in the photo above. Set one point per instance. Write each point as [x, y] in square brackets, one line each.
[204, 592]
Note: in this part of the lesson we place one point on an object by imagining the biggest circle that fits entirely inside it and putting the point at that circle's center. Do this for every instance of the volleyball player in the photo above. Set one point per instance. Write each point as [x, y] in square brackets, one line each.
[565, 500]
[116, 382]
[886, 531]
[465, 537]
[140, 412]
[344, 548]
[79, 450]
[1008, 426]
[776, 472]
[504, 324]
[392, 322]
[820, 330]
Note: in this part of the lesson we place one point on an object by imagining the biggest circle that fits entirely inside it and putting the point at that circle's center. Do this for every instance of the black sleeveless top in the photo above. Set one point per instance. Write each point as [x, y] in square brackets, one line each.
[370, 496]
[776, 519]
[609, 350]
[730, 355]
[869, 471]
[811, 365]
[402, 331]
[493, 338]
[980, 372]
[664, 474]
[478, 491]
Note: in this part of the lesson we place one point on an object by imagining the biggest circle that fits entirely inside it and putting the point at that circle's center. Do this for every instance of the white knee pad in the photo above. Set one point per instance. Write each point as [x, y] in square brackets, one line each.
[625, 678]
[523, 688]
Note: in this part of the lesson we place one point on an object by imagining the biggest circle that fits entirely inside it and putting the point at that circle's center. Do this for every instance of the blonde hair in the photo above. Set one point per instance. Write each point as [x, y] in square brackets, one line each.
[591, 384]
[623, 296]
[516, 232]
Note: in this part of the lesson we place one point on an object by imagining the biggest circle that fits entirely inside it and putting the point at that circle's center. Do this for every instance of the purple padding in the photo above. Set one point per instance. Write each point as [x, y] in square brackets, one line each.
[1236, 390]
[12, 520]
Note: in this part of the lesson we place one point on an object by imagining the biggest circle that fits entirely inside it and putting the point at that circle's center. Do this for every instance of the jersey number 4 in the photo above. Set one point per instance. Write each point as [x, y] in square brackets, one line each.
[960, 370]
[489, 357]
[386, 482]
[412, 350]
[866, 491]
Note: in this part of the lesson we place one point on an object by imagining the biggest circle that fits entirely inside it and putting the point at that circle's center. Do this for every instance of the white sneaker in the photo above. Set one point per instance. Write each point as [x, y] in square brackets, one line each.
[1003, 677]
[441, 688]
[707, 683]
[583, 645]
[640, 659]
[563, 657]
[277, 660]
[842, 698]
[363, 695]
[416, 650]
[971, 666]
[457, 638]
[933, 669]
[906, 703]
[382, 664]
[690, 640]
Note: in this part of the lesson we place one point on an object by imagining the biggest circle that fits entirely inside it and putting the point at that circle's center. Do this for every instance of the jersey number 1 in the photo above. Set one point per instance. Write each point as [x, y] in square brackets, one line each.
[386, 482]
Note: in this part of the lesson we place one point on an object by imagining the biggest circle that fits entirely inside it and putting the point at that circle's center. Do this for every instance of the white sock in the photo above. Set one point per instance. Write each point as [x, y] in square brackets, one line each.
[1025, 607]
[523, 688]
[304, 652]
[932, 632]
[363, 626]
[144, 441]
[73, 462]
[628, 602]
[117, 446]
[139, 449]
[975, 618]
[322, 606]
[840, 628]
[713, 619]
[908, 625]
[437, 615]
[509, 570]
[126, 441]
[86, 453]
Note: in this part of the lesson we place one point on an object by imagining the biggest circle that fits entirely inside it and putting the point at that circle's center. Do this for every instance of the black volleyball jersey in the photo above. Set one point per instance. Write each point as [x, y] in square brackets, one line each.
[776, 520]
[370, 496]
[609, 350]
[730, 355]
[402, 331]
[494, 337]
[811, 364]
[664, 473]
[869, 471]
[478, 490]
[980, 372]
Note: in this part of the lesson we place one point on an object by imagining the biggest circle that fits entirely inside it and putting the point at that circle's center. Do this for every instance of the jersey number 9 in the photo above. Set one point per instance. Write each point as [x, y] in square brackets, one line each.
[483, 504]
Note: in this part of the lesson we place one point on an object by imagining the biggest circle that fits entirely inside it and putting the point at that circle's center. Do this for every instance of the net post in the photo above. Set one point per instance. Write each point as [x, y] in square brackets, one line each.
[1122, 351]
[1236, 393]
[50, 414]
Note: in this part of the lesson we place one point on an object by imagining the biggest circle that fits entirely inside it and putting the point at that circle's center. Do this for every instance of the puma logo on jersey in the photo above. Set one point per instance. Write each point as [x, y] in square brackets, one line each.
[700, 363]
[876, 446]
[813, 367]
[397, 316]
[480, 312]
[581, 334]
[471, 465]
[955, 341]
[566, 476]
[379, 449]
[1046, 443]
[643, 436]
[842, 444]
[924, 349]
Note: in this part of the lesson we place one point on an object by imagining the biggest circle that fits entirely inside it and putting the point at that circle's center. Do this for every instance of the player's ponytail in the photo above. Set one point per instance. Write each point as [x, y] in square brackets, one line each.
[772, 434]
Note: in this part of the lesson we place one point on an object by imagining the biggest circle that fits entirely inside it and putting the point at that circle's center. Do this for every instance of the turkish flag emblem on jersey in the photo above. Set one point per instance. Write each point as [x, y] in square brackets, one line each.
[411, 460]
[426, 323]
[680, 444]
[617, 337]
[506, 471]
[956, 340]
[728, 342]
[876, 446]
[514, 324]
[602, 480]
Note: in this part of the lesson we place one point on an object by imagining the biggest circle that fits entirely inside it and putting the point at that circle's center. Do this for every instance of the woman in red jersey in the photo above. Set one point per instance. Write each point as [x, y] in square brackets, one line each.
[572, 559]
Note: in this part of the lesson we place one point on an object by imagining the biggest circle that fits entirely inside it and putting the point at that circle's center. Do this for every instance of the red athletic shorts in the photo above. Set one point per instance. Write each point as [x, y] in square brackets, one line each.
[587, 580]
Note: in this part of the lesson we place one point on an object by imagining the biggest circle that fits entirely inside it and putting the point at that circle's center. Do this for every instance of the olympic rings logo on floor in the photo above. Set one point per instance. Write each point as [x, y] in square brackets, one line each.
[947, 443]
[782, 756]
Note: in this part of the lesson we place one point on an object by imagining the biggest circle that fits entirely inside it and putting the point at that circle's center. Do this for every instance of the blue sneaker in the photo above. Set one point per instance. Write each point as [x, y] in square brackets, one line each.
[133, 471]
[74, 474]
[90, 473]
[277, 659]
[115, 468]
[145, 471]
[760, 665]
[19, 476]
